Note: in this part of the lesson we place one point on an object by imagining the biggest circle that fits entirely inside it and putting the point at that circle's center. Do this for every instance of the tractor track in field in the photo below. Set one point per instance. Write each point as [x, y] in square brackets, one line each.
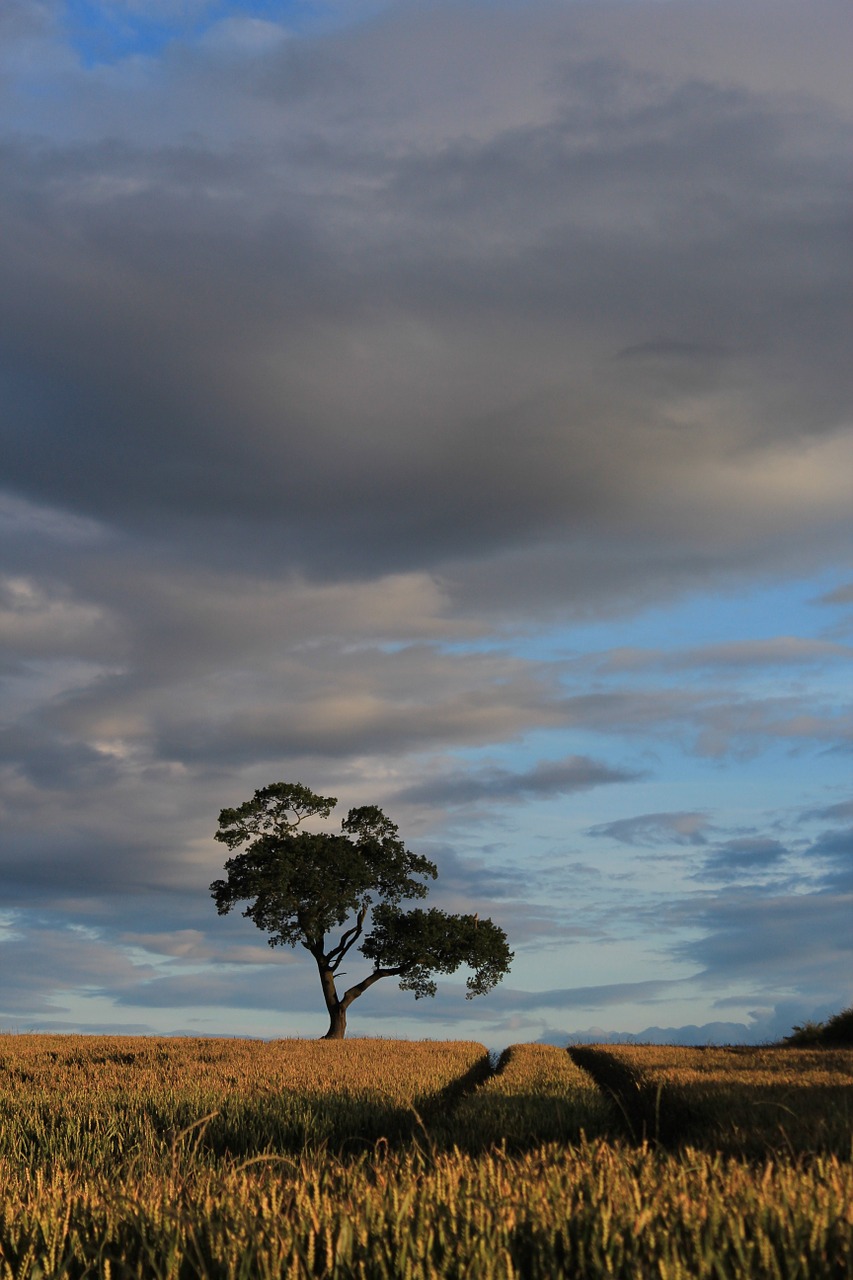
[639, 1103]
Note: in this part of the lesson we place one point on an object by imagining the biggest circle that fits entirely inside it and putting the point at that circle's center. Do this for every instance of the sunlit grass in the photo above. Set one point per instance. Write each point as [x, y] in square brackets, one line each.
[590, 1210]
[537, 1095]
[100, 1101]
[187, 1159]
[737, 1099]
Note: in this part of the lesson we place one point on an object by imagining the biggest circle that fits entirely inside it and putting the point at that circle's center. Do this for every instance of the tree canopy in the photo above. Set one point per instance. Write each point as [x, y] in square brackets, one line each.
[302, 886]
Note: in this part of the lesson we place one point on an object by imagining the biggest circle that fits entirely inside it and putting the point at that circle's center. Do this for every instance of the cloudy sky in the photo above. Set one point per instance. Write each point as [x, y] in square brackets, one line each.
[447, 406]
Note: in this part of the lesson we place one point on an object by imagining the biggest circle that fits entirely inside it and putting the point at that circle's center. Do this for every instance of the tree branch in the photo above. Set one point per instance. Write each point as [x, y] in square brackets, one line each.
[360, 987]
[348, 938]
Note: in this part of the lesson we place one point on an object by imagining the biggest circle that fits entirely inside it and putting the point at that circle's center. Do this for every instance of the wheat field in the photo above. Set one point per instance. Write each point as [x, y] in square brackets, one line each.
[125, 1157]
[741, 1100]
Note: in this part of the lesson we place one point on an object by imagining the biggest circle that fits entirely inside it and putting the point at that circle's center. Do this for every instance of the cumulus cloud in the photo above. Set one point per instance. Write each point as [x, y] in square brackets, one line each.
[337, 371]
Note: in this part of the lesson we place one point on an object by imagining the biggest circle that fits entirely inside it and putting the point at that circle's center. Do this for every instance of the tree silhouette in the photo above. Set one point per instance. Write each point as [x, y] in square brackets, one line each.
[302, 886]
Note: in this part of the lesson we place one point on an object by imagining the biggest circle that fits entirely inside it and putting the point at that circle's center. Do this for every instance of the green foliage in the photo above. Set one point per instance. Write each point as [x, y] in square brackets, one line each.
[836, 1032]
[839, 1028]
[807, 1034]
[268, 810]
[301, 885]
[419, 943]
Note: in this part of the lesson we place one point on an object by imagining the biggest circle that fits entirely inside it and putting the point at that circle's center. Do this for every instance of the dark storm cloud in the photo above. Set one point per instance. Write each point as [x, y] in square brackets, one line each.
[547, 778]
[195, 331]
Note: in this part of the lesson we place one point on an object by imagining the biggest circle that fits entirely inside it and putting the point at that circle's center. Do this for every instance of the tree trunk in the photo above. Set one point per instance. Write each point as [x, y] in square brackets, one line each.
[337, 1024]
[337, 1010]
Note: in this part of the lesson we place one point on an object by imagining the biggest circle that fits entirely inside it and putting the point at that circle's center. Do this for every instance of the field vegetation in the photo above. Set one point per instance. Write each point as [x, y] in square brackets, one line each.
[836, 1032]
[741, 1100]
[105, 1101]
[536, 1095]
[126, 1157]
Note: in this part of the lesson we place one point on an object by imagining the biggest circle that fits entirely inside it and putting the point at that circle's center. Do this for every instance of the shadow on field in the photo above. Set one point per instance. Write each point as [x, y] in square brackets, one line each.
[524, 1122]
[739, 1118]
[286, 1123]
[523, 1118]
[465, 1115]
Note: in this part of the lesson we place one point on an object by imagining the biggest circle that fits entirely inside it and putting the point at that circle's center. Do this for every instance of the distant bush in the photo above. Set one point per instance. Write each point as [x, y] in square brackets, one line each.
[836, 1032]
[806, 1035]
[839, 1028]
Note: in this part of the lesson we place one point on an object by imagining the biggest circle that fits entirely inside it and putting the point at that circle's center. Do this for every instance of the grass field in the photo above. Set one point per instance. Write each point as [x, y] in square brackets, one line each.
[739, 1100]
[537, 1095]
[211, 1158]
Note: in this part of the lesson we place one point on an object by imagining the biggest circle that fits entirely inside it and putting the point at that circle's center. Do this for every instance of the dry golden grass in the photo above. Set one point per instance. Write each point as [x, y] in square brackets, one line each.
[401, 1070]
[789, 1068]
[582, 1211]
[92, 1099]
[228, 1159]
[537, 1095]
[541, 1069]
[734, 1099]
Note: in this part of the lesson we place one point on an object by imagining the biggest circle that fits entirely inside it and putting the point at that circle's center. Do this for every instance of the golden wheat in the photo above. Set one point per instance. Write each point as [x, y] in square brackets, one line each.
[209, 1159]
[733, 1099]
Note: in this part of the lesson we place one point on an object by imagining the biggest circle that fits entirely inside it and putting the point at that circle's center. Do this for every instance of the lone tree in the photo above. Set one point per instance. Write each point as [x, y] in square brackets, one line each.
[301, 886]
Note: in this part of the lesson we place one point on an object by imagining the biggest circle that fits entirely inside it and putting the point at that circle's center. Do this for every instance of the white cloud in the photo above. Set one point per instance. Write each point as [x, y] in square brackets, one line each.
[339, 373]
